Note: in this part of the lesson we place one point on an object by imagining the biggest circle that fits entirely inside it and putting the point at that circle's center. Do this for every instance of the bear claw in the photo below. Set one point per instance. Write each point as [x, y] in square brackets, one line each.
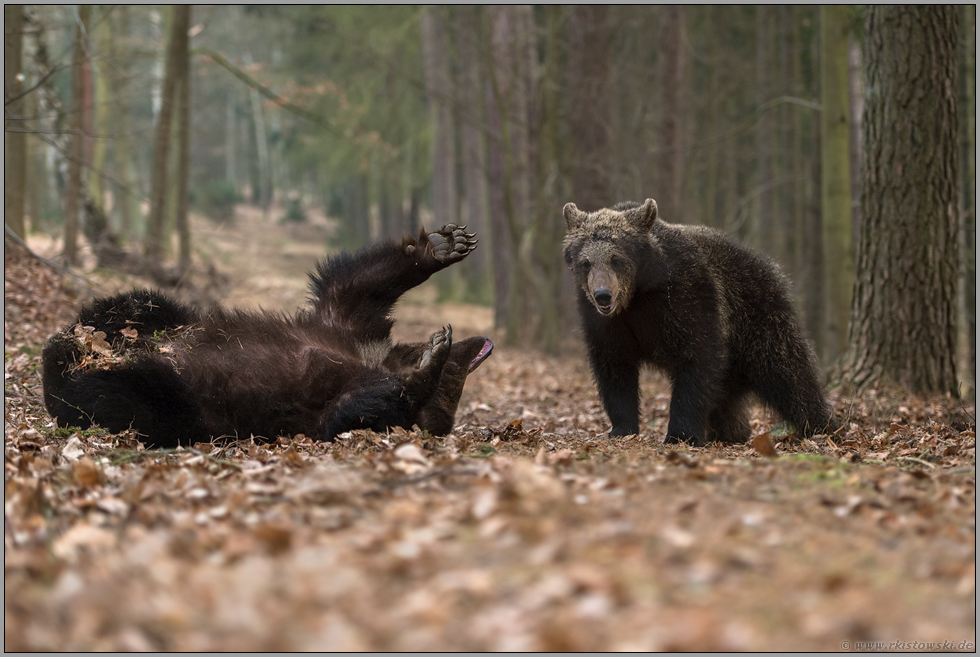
[452, 243]
[440, 341]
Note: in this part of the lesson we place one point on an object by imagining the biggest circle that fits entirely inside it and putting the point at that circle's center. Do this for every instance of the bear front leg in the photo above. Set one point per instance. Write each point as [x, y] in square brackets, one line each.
[377, 400]
[421, 383]
[355, 293]
[619, 388]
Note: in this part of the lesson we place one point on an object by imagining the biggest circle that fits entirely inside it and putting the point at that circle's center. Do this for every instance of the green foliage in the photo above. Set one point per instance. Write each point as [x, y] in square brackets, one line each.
[216, 199]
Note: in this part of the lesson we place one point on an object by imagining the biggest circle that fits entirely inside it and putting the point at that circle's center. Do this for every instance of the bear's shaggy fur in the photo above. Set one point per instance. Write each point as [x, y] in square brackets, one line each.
[715, 316]
[179, 375]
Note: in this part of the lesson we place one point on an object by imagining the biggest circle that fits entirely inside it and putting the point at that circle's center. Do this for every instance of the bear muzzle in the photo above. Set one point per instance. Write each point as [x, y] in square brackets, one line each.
[604, 303]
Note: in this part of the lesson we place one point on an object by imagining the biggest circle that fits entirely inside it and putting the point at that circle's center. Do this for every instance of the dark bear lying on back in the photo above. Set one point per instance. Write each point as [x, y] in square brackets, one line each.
[180, 375]
[716, 317]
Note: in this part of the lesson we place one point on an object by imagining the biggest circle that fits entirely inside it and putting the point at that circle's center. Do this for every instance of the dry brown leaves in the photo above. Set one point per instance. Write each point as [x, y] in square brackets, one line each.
[528, 528]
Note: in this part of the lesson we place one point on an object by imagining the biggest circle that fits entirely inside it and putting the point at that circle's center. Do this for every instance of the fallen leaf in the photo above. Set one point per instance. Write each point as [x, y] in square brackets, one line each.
[763, 445]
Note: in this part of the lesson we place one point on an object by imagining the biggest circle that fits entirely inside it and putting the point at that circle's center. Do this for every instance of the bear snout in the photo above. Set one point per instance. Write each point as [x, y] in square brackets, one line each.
[603, 300]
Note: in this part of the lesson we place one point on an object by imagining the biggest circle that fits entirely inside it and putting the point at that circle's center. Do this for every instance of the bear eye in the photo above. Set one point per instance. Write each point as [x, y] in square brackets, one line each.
[615, 261]
[586, 265]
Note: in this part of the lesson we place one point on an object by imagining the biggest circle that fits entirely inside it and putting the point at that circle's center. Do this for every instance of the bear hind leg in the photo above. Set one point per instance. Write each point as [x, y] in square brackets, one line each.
[729, 422]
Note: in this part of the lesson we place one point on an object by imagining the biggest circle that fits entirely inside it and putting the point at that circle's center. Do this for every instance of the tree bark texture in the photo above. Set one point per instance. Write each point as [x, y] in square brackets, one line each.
[182, 15]
[473, 159]
[835, 166]
[766, 228]
[435, 49]
[161, 151]
[671, 160]
[968, 163]
[590, 106]
[511, 77]
[73, 191]
[903, 325]
[14, 137]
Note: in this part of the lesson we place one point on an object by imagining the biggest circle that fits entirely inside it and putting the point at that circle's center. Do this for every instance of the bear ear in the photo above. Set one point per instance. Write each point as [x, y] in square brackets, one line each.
[573, 216]
[646, 215]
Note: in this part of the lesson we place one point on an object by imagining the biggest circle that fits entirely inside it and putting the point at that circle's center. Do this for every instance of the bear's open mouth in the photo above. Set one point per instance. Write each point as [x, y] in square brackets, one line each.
[482, 356]
[606, 310]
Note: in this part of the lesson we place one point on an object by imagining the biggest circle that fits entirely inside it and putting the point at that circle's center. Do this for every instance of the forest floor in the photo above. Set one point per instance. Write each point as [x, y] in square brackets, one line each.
[527, 528]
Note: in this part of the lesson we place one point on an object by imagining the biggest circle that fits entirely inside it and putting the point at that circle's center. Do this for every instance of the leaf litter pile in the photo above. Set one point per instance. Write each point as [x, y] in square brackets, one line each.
[527, 528]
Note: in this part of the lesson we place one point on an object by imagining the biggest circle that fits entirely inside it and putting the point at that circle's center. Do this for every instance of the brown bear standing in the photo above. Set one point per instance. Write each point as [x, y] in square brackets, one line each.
[716, 317]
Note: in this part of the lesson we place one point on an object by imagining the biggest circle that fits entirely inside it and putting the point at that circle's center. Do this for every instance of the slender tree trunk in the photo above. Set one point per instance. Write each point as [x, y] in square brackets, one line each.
[550, 192]
[15, 137]
[73, 191]
[498, 173]
[855, 84]
[671, 62]
[589, 105]
[968, 163]
[835, 167]
[765, 230]
[473, 164]
[182, 21]
[118, 82]
[262, 148]
[231, 135]
[903, 326]
[100, 114]
[161, 154]
[435, 49]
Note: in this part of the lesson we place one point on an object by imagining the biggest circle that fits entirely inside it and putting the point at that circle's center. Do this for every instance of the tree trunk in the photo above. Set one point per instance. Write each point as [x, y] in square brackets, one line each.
[182, 21]
[126, 197]
[670, 58]
[903, 326]
[73, 191]
[855, 84]
[473, 164]
[551, 192]
[262, 148]
[15, 137]
[765, 229]
[835, 167]
[161, 154]
[437, 86]
[100, 112]
[589, 106]
[968, 160]
[511, 89]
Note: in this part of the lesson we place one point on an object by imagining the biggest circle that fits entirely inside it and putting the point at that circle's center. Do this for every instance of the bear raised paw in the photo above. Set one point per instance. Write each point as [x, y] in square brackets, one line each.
[715, 316]
[179, 375]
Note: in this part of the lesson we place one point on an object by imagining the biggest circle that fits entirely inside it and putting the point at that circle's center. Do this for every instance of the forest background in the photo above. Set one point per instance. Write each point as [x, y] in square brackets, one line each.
[219, 151]
[745, 118]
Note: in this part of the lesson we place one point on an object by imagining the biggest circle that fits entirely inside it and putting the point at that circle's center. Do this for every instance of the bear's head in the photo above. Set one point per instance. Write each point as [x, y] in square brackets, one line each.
[604, 249]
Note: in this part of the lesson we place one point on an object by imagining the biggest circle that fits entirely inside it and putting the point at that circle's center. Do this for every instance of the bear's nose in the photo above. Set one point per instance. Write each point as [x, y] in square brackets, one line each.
[603, 296]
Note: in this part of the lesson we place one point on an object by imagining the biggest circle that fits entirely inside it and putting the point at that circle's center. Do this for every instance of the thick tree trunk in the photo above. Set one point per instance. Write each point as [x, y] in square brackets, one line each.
[835, 166]
[903, 326]
[15, 139]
